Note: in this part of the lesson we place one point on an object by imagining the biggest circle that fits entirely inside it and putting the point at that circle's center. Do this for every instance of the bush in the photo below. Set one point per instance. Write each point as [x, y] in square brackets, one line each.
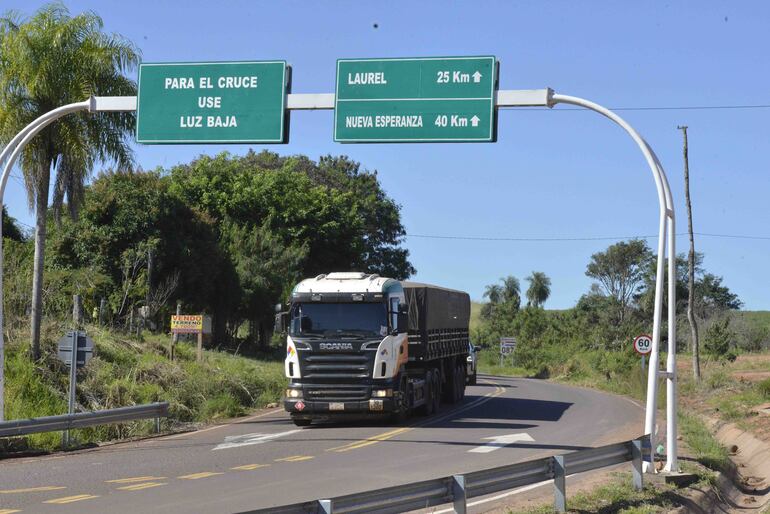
[717, 339]
[764, 388]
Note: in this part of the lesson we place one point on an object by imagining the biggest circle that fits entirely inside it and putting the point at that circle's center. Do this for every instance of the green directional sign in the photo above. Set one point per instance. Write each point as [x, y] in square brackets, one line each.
[212, 102]
[427, 99]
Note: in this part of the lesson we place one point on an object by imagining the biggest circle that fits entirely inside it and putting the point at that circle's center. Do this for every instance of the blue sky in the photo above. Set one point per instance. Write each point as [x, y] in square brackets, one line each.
[558, 173]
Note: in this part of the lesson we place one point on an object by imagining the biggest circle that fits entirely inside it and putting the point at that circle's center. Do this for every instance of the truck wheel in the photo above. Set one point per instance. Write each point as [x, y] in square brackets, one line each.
[406, 388]
[452, 387]
[430, 394]
[472, 380]
[300, 422]
[436, 390]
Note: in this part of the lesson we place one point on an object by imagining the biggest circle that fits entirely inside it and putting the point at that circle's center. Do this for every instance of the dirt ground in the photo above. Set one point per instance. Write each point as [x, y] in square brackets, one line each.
[728, 391]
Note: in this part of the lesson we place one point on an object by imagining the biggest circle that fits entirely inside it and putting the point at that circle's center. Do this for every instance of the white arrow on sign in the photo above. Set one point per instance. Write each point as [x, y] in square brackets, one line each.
[500, 441]
[475, 121]
[477, 77]
[235, 441]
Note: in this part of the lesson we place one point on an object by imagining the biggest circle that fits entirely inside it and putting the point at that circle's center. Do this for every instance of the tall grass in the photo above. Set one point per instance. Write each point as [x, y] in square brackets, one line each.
[128, 371]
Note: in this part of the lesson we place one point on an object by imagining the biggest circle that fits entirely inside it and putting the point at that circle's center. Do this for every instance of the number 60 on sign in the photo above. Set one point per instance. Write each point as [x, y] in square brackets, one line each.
[643, 344]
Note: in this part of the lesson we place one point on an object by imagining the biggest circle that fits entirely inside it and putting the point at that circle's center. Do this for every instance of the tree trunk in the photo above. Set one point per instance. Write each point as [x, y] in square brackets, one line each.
[691, 266]
[41, 209]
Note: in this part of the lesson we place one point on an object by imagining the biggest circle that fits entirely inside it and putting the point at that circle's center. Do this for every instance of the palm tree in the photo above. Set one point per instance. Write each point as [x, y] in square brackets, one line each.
[494, 292]
[539, 288]
[49, 60]
[511, 290]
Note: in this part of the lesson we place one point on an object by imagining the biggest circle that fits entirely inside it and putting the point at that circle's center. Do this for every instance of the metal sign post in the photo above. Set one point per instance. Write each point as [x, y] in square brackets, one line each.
[75, 350]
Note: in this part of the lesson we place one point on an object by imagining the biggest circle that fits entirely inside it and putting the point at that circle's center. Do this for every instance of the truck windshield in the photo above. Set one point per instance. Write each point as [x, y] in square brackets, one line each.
[331, 320]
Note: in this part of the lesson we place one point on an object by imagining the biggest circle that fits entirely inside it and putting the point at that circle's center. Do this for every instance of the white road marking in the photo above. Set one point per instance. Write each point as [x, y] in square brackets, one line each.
[215, 427]
[236, 441]
[501, 441]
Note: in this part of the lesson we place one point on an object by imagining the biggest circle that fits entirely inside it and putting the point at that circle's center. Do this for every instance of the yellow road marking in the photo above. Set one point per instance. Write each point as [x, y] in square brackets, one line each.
[369, 441]
[133, 479]
[32, 490]
[393, 433]
[202, 474]
[295, 458]
[249, 467]
[139, 487]
[8, 511]
[70, 499]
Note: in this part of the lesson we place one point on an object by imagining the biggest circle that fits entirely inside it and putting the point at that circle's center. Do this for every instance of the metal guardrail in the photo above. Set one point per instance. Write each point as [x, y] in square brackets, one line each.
[457, 489]
[20, 427]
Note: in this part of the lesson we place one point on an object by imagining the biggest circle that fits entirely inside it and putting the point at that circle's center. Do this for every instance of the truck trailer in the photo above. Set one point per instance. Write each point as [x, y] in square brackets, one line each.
[362, 345]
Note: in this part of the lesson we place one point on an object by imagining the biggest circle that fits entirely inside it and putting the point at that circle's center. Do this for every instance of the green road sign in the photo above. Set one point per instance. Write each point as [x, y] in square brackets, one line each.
[430, 100]
[213, 102]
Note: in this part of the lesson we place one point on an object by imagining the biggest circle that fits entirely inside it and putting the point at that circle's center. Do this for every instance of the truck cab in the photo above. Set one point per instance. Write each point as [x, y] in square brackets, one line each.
[353, 350]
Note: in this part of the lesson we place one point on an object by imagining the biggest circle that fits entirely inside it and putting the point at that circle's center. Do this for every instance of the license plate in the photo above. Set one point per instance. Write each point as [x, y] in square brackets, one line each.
[336, 406]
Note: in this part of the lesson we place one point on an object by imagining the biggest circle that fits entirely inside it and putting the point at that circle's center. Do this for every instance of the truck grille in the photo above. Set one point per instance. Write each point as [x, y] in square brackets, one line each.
[336, 366]
[336, 392]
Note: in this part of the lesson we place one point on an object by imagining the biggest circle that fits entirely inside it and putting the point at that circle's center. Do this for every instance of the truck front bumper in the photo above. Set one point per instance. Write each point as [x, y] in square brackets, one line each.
[300, 407]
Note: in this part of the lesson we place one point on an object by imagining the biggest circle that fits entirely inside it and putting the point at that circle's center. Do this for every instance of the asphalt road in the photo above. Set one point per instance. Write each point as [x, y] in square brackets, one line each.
[264, 460]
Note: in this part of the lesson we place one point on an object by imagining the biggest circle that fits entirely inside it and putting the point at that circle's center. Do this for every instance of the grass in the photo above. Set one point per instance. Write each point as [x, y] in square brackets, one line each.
[617, 496]
[128, 371]
[707, 450]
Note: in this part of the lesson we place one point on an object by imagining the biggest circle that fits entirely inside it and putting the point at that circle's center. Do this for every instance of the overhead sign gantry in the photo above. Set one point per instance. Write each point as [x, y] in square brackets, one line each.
[441, 99]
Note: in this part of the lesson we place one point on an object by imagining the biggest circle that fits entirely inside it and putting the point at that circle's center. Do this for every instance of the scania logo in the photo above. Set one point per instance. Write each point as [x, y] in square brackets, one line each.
[335, 346]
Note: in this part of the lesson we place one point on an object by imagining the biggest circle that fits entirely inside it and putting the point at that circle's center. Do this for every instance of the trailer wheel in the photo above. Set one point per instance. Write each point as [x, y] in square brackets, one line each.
[436, 390]
[452, 390]
[472, 379]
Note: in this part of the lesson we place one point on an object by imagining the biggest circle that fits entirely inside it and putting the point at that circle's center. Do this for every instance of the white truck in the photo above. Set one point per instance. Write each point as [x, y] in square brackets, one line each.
[363, 345]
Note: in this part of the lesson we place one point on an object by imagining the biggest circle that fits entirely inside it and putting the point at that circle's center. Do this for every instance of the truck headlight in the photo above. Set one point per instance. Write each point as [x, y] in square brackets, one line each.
[382, 393]
[293, 393]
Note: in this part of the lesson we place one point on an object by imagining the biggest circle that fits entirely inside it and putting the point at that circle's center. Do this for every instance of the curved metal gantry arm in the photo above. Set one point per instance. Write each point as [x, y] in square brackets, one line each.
[9, 155]
[666, 235]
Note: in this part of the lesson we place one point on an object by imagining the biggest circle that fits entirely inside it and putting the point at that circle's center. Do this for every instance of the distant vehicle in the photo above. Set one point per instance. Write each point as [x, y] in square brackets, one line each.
[364, 345]
[472, 364]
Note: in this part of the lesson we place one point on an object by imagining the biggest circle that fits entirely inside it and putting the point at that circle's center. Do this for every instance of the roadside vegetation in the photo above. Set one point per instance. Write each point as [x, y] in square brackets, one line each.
[130, 370]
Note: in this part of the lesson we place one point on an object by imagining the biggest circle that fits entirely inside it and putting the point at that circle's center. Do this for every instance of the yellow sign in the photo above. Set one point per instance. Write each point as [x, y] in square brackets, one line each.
[190, 324]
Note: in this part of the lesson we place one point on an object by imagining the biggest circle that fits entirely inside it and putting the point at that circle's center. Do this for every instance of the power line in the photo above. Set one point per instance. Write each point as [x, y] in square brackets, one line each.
[667, 108]
[568, 239]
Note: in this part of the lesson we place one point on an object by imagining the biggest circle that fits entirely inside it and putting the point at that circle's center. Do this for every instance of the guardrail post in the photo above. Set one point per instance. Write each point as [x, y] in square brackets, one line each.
[157, 425]
[325, 507]
[458, 493]
[636, 463]
[559, 484]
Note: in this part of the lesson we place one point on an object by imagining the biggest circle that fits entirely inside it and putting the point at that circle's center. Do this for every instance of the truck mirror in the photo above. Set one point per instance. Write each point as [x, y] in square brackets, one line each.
[278, 307]
[278, 325]
[403, 321]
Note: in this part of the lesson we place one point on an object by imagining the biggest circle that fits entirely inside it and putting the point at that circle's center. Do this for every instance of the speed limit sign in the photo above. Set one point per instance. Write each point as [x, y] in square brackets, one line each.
[643, 344]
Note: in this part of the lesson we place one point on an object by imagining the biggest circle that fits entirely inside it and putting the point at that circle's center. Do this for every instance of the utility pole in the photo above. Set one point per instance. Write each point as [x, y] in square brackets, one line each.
[690, 265]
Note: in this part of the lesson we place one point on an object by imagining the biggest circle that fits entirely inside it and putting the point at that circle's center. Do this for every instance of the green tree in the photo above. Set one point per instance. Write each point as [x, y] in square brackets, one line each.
[511, 293]
[50, 60]
[493, 293]
[10, 229]
[718, 338]
[620, 271]
[539, 288]
[126, 214]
